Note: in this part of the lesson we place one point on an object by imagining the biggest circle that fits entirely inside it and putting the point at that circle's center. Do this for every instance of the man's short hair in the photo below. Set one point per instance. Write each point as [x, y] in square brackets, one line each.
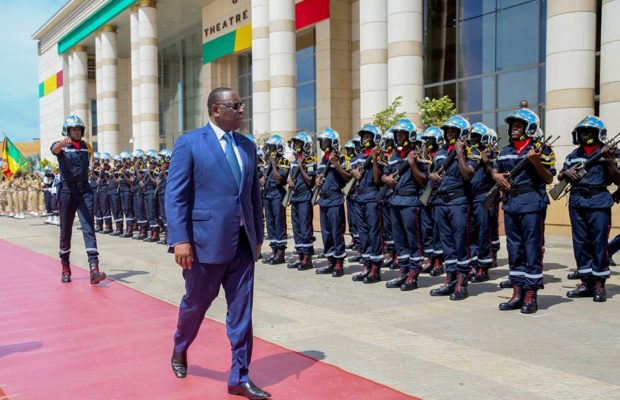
[216, 95]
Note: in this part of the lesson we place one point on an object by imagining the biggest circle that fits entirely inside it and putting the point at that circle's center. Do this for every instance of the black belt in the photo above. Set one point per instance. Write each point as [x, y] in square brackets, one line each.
[301, 191]
[403, 192]
[588, 191]
[327, 195]
[449, 196]
[362, 190]
[517, 190]
[76, 185]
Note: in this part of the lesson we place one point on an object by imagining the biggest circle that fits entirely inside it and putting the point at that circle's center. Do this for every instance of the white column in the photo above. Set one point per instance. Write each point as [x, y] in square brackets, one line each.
[149, 90]
[373, 58]
[404, 55]
[570, 68]
[78, 69]
[109, 71]
[99, 89]
[261, 106]
[282, 67]
[610, 66]
[135, 76]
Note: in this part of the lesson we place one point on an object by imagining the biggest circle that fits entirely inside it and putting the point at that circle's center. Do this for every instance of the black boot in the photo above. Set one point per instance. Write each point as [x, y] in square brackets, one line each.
[460, 289]
[95, 275]
[481, 275]
[600, 296]
[98, 227]
[66, 273]
[295, 264]
[108, 228]
[360, 277]
[357, 257]
[374, 275]
[328, 269]
[515, 302]
[448, 285]
[530, 303]
[128, 232]
[338, 268]
[141, 233]
[306, 263]
[506, 284]
[279, 257]
[411, 282]
[399, 280]
[438, 268]
[427, 265]
[164, 238]
[573, 275]
[584, 289]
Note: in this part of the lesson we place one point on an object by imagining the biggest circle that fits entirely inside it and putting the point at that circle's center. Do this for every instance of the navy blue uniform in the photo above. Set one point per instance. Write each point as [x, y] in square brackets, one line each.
[138, 201]
[75, 194]
[386, 217]
[115, 200]
[301, 209]
[406, 214]
[104, 198]
[125, 191]
[331, 204]
[590, 215]
[451, 212]
[150, 200]
[369, 212]
[161, 194]
[275, 214]
[480, 232]
[524, 208]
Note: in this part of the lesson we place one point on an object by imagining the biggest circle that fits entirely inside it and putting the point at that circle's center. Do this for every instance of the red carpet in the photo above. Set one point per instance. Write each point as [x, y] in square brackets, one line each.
[74, 341]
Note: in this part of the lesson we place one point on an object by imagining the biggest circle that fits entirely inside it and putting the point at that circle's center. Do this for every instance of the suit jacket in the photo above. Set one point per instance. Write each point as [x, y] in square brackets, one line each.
[204, 206]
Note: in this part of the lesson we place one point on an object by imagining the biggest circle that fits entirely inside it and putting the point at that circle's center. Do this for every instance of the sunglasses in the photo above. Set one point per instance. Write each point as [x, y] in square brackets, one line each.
[233, 107]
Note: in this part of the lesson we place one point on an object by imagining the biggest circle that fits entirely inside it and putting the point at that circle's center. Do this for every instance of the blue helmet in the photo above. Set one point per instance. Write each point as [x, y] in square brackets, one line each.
[480, 129]
[332, 136]
[590, 122]
[72, 121]
[106, 158]
[165, 154]
[529, 118]
[376, 132]
[433, 132]
[490, 139]
[151, 154]
[304, 138]
[350, 145]
[137, 154]
[459, 123]
[117, 158]
[275, 142]
[96, 156]
[387, 137]
[406, 125]
[125, 156]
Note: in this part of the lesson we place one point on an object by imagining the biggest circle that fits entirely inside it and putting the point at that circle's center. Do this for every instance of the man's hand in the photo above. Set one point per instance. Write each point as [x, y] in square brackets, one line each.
[272, 161]
[534, 156]
[458, 146]
[319, 179]
[65, 141]
[262, 180]
[376, 153]
[334, 160]
[300, 162]
[389, 180]
[183, 255]
[486, 155]
[572, 173]
[435, 178]
[609, 153]
[290, 182]
[356, 173]
[502, 180]
[412, 157]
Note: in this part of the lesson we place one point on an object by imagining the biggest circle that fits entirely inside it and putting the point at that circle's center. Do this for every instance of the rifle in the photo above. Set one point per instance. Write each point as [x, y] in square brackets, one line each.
[430, 188]
[396, 175]
[317, 188]
[286, 201]
[562, 187]
[353, 182]
[492, 194]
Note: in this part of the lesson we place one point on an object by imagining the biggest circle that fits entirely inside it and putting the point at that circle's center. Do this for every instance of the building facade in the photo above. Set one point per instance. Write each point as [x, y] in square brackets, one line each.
[138, 72]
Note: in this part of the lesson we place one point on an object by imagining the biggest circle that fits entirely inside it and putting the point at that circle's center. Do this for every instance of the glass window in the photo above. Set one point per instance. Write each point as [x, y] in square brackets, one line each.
[306, 89]
[306, 95]
[516, 86]
[306, 120]
[542, 84]
[93, 117]
[517, 36]
[435, 92]
[477, 49]
[244, 64]
[511, 3]
[477, 94]
[439, 40]
[475, 8]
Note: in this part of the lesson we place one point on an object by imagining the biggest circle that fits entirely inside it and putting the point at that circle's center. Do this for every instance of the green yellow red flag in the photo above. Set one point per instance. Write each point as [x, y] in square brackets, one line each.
[12, 159]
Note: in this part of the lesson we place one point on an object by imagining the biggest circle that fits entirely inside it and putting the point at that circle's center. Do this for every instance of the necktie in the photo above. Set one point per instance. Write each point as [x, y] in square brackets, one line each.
[233, 163]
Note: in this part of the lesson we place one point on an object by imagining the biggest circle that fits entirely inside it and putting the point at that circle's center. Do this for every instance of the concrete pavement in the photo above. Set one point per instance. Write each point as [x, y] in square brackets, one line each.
[430, 347]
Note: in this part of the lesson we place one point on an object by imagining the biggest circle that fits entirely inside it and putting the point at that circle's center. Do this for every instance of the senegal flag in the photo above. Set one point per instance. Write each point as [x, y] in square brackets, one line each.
[12, 159]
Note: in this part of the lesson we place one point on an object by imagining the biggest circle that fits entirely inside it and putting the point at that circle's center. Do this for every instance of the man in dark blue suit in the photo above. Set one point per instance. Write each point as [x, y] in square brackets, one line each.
[215, 229]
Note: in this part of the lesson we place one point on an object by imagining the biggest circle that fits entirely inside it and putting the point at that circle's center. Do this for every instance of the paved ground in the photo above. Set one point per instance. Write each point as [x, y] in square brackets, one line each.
[429, 347]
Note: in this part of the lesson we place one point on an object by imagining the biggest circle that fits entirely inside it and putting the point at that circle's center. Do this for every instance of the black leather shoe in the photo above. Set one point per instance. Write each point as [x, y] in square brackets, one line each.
[515, 302]
[325, 270]
[411, 282]
[481, 275]
[249, 390]
[178, 362]
[530, 303]
[448, 286]
[293, 265]
[583, 290]
[507, 284]
[396, 282]
[374, 275]
[573, 275]
[437, 270]
[600, 296]
[66, 273]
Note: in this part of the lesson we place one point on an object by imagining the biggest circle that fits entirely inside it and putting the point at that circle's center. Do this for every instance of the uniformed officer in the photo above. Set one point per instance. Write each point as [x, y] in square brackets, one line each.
[495, 243]
[480, 221]
[93, 179]
[275, 189]
[3, 191]
[162, 179]
[590, 204]
[367, 171]
[150, 196]
[524, 205]
[405, 210]
[451, 204]
[138, 195]
[125, 187]
[387, 145]
[114, 195]
[433, 264]
[351, 150]
[105, 179]
[331, 179]
[301, 182]
[75, 194]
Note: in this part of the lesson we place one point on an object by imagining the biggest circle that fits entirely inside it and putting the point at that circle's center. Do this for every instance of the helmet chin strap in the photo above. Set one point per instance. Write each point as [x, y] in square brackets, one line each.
[452, 141]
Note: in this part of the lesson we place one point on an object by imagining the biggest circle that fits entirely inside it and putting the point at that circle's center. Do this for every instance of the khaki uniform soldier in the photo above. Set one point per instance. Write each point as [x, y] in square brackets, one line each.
[32, 194]
[3, 191]
[20, 188]
[9, 198]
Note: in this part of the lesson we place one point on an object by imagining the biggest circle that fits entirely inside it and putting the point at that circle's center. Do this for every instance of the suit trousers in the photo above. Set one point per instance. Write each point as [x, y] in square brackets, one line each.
[202, 285]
